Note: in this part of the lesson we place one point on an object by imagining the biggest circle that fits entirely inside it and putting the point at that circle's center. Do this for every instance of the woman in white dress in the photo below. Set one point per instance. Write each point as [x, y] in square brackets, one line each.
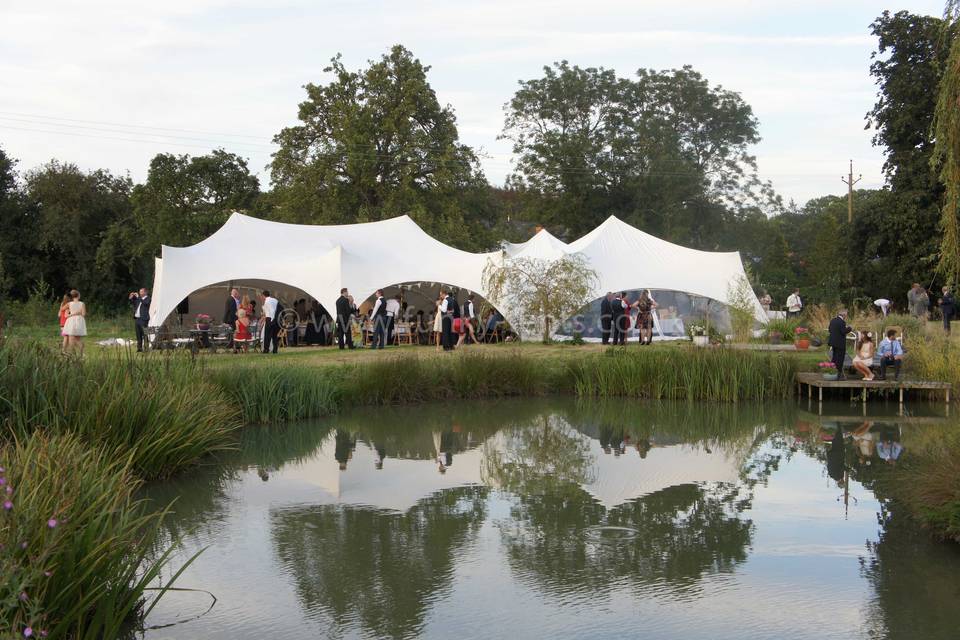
[76, 325]
[864, 357]
[438, 321]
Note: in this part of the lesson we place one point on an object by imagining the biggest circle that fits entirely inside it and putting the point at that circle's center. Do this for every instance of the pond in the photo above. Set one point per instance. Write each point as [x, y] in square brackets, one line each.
[553, 518]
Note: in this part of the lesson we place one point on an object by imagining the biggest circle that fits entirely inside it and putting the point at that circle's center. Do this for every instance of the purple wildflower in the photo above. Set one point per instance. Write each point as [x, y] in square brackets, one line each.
[48, 573]
[9, 490]
[23, 596]
[7, 505]
[3, 481]
[2, 470]
[28, 632]
[52, 523]
[23, 545]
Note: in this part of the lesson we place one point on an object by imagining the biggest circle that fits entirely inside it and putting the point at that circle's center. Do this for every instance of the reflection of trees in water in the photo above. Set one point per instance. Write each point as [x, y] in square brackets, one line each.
[376, 569]
[915, 581]
[683, 532]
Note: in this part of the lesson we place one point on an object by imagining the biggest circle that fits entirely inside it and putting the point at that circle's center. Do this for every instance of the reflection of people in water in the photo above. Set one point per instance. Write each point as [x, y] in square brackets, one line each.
[263, 474]
[836, 464]
[380, 452]
[889, 447]
[612, 439]
[443, 446]
[643, 447]
[865, 441]
[344, 444]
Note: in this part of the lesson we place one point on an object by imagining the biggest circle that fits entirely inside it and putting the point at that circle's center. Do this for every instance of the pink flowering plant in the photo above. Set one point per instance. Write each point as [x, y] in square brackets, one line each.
[76, 548]
[801, 333]
[827, 367]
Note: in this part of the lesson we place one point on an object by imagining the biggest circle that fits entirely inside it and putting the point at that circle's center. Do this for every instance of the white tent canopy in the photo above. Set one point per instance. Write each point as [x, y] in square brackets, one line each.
[320, 260]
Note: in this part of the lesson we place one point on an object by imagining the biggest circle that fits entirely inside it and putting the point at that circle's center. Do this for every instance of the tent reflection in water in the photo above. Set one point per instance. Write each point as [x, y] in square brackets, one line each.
[402, 483]
[321, 259]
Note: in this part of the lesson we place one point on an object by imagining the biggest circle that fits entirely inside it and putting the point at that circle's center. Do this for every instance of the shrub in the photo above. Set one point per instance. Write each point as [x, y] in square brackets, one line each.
[75, 542]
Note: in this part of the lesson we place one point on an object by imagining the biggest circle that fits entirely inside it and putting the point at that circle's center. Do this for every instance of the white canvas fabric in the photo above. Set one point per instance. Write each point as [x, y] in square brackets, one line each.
[320, 259]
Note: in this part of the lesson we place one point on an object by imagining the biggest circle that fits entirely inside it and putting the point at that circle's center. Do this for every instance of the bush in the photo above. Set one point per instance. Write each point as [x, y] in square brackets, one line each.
[75, 542]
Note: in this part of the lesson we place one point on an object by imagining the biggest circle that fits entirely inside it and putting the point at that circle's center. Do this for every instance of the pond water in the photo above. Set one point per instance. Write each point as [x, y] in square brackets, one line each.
[557, 519]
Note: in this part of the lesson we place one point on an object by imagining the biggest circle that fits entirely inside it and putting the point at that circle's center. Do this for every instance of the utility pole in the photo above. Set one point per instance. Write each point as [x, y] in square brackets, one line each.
[849, 181]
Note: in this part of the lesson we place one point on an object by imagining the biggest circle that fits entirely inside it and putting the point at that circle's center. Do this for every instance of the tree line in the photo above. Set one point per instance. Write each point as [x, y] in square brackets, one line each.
[664, 150]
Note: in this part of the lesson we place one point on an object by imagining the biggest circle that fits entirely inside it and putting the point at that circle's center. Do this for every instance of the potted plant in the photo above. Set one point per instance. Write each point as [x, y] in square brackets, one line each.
[775, 337]
[801, 338]
[828, 370]
[203, 322]
[698, 333]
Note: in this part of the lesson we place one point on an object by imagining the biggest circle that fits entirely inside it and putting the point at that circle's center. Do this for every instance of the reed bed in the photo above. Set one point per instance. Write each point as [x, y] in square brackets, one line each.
[162, 415]
[714, 375]
[399, 380]
[273, 393]
[76, 544]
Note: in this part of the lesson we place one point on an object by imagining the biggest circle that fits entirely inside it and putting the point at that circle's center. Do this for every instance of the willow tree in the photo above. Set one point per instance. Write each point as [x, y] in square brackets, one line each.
[946, 155]
[543, 293]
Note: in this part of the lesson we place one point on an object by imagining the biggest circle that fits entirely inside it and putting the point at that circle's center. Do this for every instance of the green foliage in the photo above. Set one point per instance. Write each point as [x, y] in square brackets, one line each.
[715, 374]
[543, 292]
[740, 303]
[270, 393]
[162, 415]
[374, 144]
[946, 156]
[665, 151]
[76, 544]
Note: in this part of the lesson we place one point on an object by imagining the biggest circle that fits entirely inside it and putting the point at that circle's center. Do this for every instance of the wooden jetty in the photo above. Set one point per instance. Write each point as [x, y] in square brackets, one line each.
[816, 381]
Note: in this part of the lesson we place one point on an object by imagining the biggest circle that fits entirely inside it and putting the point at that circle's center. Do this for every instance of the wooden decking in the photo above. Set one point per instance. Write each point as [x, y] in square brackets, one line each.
[816, 381]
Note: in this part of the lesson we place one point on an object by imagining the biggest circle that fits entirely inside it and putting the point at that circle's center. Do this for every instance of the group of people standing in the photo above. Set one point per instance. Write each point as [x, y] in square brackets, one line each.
[73, 322]
[616, 315]
[890, 350]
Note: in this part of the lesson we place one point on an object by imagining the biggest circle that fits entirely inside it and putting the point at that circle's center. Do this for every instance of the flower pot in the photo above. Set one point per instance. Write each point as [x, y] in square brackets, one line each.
[802, 345]
[203, 327]
[829, 376]
[701, 341]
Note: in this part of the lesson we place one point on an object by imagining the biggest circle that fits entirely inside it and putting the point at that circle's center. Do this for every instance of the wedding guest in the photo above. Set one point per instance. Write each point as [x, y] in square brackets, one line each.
[891, 354]
[450, 311]
[864, 356]
[270, 309]
[766, 301]
[794, 304]
[918, 301]
[230, 308]
[947, 306]
[438, 319]
[62, 313]
[75, 328]
[393, 314]
[606, 310]
[379, 316]
[645, 306]
[884, 305]
[468, 317]
[619, 318]
[345, 311]
[140, 301]
[241, 334]
[837, 341]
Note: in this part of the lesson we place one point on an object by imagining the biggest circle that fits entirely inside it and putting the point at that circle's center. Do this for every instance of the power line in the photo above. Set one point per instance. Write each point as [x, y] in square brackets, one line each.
[130, 126]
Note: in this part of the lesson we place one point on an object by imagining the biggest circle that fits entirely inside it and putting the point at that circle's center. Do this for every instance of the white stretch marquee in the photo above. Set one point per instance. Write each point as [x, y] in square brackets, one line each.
[364, 257]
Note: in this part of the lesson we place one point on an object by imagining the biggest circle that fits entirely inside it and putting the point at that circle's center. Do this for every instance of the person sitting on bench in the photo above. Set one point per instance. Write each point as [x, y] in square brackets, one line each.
[891, 353]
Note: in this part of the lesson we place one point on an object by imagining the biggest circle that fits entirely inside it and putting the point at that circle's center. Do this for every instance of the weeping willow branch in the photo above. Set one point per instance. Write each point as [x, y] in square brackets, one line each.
[946, 154]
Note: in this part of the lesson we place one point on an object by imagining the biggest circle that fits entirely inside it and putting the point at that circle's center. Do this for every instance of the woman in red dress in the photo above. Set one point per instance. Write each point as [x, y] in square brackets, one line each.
[241, 336]
[64, 312]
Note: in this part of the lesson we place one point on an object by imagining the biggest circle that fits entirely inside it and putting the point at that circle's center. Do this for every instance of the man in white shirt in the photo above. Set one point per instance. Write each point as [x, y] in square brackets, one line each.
[884, 305]
[379, 318]
[393, 312]
[270, 322]
[794, 303]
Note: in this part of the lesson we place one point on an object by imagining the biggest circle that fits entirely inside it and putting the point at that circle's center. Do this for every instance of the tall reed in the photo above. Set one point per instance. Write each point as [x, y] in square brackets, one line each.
[163, 415]
[273, 393]
[75, 560]
[717, 375]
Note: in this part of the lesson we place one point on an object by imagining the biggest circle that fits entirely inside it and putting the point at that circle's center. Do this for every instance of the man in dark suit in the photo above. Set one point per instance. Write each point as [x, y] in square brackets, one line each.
[617, 317]
[345, 312]
[230, 308]
[606, 309]
[838, 340]
[141, 315]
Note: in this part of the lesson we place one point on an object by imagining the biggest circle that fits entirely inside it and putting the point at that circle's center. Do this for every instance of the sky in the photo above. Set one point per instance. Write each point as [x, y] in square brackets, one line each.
[109, 83]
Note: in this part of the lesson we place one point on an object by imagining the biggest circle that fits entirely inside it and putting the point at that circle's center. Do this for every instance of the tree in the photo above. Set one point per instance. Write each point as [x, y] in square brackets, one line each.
[185, 199]
[946, 156]
[543, 292]
[665, 151]
[375, 144]
[71, 212]
[14, 247]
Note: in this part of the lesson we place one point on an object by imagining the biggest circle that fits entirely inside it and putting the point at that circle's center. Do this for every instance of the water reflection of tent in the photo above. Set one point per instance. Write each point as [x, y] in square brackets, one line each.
[622, 478]
[402, 482]
[398, 486]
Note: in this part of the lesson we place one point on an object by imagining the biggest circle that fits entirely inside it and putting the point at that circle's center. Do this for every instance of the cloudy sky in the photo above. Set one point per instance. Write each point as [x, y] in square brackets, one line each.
[110, 83]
